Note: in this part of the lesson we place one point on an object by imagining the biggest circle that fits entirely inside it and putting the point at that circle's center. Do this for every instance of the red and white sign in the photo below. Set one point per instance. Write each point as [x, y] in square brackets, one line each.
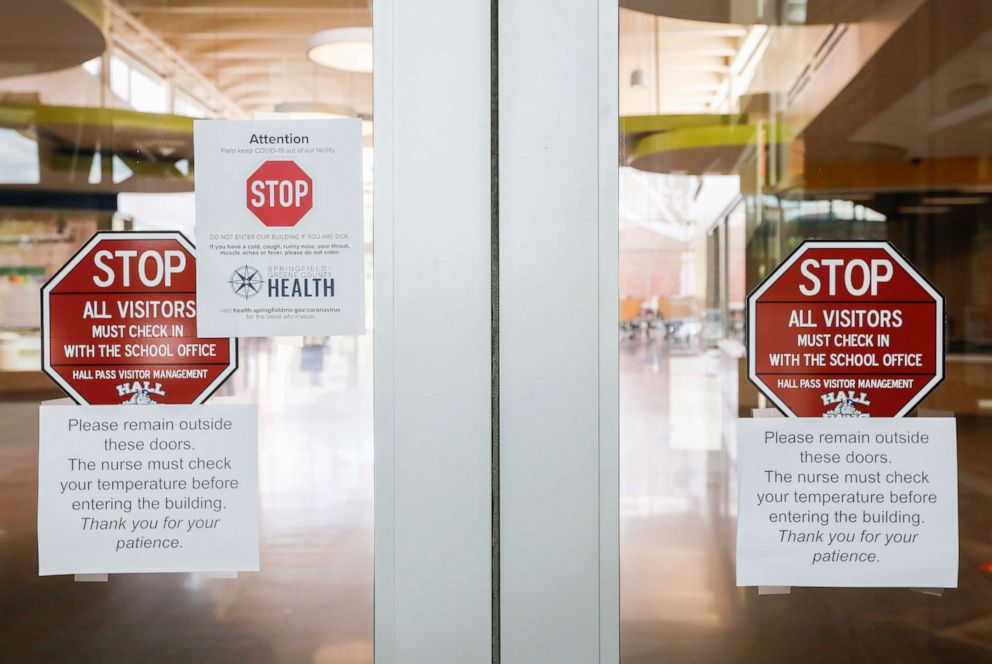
[119, 324]
[280, 193]
[845, 329]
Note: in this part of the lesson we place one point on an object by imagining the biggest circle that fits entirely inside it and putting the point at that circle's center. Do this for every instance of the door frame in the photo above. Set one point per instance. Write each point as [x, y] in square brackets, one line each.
[496, 343]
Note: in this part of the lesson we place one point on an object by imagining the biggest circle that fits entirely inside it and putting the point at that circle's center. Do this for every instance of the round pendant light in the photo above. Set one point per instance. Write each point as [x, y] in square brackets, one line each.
[348, 49]
[305, 110]
[309, 110]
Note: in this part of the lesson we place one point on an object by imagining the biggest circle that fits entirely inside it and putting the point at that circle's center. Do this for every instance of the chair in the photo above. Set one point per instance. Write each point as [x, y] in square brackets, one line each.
[630, 312]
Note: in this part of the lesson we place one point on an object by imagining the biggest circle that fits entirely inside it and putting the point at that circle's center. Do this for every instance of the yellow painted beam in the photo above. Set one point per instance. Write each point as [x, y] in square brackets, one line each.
[649, 124]
[114, 118]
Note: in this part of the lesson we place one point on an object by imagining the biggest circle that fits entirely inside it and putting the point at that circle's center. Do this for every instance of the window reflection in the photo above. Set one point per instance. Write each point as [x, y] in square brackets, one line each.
[19, 161]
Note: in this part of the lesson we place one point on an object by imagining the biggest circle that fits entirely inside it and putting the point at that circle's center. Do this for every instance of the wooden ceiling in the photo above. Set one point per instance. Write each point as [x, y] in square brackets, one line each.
[254, 51]
[674, 66]
[902, 99]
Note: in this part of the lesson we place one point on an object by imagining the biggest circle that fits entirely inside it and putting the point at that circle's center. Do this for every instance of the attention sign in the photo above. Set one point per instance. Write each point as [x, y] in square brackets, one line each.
[280, 218]
[845, 329]
[119, 324]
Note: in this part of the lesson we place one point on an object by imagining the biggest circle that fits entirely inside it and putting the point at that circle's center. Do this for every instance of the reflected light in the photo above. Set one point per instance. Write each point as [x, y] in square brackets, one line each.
[955, 200]
[315, 111]
[95, 174]
[923, 209]
[347, 49]
[119, 170]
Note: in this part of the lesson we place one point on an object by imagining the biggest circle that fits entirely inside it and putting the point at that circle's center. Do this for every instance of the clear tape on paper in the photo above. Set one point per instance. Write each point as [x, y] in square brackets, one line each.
[770, 590]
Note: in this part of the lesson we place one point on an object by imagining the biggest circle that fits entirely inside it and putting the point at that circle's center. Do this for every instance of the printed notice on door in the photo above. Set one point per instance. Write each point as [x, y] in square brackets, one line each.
[163, 488]
[279, 227]
[860, 502]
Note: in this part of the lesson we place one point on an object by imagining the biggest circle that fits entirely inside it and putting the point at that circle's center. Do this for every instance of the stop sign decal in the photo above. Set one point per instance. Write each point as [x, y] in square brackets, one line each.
[279, 193]
[119, 324]
[845, 329]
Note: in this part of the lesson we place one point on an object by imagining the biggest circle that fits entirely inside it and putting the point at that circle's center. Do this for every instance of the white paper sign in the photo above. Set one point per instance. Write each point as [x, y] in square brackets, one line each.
[860, 502]
[279, 232]
[164, 488]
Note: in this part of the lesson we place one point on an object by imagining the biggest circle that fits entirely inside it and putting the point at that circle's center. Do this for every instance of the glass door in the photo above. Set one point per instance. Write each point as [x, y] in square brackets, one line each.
[97, 103]
[747, 128]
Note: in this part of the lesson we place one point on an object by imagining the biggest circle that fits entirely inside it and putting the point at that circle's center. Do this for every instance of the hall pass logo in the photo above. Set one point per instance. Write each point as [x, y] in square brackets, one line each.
[279, 193]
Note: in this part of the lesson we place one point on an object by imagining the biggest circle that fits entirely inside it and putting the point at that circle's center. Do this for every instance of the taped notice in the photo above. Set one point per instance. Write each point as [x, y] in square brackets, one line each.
[165, 488]
[867, 502]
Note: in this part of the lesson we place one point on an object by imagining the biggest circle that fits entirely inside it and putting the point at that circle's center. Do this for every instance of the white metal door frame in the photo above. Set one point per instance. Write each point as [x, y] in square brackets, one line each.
[529, 213]
[432, 332]
[558, 337]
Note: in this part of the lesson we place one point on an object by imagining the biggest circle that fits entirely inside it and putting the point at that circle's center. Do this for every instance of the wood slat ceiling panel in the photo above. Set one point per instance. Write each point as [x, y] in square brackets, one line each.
[255, 50]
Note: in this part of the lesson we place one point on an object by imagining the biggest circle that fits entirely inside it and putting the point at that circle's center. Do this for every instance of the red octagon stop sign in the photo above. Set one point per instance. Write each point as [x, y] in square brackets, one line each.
[845, 329]
[119, 324]
[280, 193]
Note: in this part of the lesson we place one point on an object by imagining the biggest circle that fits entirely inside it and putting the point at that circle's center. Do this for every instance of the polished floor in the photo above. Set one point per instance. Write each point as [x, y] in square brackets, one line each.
[312, 603]
[679, 602]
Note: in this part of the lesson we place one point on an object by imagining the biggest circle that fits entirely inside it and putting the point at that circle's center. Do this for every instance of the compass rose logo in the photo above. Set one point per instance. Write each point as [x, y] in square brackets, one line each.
[246, 281]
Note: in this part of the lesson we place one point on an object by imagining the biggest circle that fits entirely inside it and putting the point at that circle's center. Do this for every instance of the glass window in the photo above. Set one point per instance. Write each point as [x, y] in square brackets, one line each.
[183, 104]
[120, 78]
[149, 93]
[93, 66]
[20, 162]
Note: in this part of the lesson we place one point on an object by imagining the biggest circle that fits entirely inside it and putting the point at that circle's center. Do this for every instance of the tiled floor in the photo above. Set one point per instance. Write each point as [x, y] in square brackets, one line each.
[312, 602]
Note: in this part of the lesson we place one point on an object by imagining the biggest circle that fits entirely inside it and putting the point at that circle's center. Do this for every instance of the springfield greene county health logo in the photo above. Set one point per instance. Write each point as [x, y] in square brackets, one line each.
[246, 281]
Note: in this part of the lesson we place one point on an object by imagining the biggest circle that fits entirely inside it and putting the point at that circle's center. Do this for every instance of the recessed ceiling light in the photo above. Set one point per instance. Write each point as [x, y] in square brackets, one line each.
[348, 49]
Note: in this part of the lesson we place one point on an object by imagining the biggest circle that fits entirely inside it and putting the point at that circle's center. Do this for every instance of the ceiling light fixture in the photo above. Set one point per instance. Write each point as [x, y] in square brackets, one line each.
[348, 49]
[312, 110]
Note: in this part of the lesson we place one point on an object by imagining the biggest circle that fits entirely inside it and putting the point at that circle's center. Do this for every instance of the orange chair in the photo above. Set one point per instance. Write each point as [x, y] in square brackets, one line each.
[630, 312]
